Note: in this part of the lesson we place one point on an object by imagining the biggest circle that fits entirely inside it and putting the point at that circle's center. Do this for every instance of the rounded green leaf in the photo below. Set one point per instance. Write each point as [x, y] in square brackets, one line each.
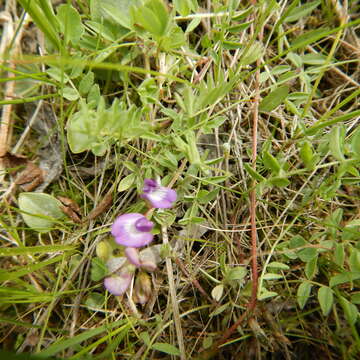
[272, 276]
[303, 293]
[70, 23]
[266, 294]
[355, 142]
[39, 210]
[326, 299]
[166, 348]
[271, 162]
[217, 292]
[278, 265]
[307, 154]
[274, 99]
[126, 182]
[336, 142]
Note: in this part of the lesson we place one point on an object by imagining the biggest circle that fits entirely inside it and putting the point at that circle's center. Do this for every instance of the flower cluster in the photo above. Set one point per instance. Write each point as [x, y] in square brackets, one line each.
[134, 231]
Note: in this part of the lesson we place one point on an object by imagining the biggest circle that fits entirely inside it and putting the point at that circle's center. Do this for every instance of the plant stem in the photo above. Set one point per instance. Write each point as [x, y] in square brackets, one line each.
[174, 302]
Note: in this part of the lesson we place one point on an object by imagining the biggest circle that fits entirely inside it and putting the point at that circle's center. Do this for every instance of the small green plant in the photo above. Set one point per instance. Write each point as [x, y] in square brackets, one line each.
[249, 109]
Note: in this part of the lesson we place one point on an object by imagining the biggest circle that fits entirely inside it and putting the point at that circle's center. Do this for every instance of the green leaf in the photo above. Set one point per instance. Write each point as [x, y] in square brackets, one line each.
[86, 83]
[355, 142]
[266, 294]
[44, 17]
[355, 298]
[95, 300]
[70, 23]
[231, 45]
[301, 11]
[207, 342]
[194, 23]
[213, 123]
[339, 254]
[217, 292]
[271, 162]
[219, 310]
[354, 260]
[336, 142]
[166, 348]
[126, 182]
[215, 179]
[20, 271]
[30, 250]
[314, 59]
[303, 293]
[353, 223]
[350, 310]
[145, 337]
[40, 211]
[278, 265]
[153, 17]
[70, 94]
[255, 51]
[98, 269]
[184, 7]
[297, 241]
[274, 99]
[309, 37]
[344, 278]
[239, 27]
[255, 175]
[58, 74]
[272, 276]
[279, 181]
[326, 299]
[165, 217]
[70, 343]
[193, 152]
[311, 268]
[307, 254]
[307, 155]
[96, 129]
[116, 11]
[236, 274]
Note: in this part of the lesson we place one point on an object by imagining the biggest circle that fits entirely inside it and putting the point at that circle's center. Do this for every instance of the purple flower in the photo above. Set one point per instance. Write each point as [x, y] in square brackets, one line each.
[132, 230]
[117, 284]
[159, 196]
[133, 257]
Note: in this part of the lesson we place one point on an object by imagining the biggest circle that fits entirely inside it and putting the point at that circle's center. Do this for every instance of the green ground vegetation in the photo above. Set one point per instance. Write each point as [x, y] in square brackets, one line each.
[224, 100]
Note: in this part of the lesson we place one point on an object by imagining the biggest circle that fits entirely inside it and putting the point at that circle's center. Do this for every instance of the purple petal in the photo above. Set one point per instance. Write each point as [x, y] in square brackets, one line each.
[125, 232]
[133, 256]
[118, 284]
[144, 225]
[149, 185]
[161, 198]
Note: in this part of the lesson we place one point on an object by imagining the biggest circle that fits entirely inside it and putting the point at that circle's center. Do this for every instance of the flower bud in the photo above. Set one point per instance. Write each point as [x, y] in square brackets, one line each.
[103, 250]
[142, 288]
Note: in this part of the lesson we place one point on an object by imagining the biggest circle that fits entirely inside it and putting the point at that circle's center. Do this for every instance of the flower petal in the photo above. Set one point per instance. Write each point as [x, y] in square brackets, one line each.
[118, 284]
[125, 232]
[161, 198]
[133, 256]
[144, 224]
[150, 185]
